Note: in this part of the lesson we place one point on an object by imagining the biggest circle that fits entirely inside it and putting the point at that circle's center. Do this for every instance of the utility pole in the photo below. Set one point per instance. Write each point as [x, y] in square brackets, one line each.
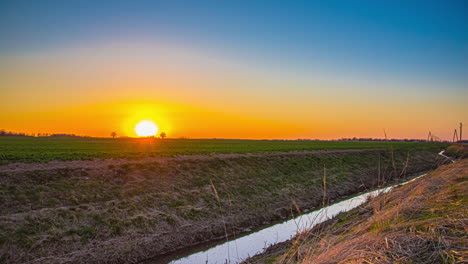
[455, 135]
[461, 126]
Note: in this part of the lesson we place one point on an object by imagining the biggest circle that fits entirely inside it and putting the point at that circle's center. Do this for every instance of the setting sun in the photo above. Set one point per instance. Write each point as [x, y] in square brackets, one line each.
[146, 128]
[132, 124]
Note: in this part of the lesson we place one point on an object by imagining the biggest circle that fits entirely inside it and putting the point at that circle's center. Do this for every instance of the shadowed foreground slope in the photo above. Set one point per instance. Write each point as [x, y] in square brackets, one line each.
[120, 211]
[422, 222]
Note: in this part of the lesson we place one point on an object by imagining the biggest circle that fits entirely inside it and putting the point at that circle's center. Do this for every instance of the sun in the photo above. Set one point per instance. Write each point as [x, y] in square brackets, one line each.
[146, 128]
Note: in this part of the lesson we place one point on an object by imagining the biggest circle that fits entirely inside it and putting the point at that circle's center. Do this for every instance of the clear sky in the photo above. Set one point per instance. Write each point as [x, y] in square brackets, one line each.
[235, 69]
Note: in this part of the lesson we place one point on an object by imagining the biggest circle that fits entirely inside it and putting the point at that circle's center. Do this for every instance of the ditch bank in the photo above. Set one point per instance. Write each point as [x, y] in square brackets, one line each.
[423, 221]
[130, 211]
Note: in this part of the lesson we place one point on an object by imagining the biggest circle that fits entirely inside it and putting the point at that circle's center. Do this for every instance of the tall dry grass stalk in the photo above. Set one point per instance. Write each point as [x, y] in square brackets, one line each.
[324, 202]
[295, 252]
[403, 171]
[226, 234]
[299, 248]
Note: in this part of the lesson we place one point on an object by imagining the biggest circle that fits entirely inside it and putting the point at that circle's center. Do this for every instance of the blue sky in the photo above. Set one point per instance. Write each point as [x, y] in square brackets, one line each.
[395, 50]
[414, 38]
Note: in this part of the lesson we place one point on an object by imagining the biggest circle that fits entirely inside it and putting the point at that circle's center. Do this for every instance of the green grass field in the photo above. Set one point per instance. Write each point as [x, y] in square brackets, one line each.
[27, 149]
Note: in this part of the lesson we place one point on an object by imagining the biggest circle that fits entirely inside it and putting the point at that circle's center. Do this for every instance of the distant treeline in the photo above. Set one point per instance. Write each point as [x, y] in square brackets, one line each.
[377, 139]
[388, 140]
[4, 133]
[16, 134]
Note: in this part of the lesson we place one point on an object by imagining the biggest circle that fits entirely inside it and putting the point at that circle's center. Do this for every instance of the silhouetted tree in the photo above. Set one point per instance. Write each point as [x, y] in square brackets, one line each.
[162, 135]
[113, 134]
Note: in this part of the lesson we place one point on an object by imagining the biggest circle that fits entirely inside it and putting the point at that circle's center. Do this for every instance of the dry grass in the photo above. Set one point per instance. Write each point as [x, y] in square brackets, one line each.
[126, 212]
[459, 151]
[422, 222]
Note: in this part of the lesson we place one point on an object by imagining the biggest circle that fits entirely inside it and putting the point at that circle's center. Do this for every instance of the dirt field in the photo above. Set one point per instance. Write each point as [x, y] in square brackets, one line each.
[116, 211]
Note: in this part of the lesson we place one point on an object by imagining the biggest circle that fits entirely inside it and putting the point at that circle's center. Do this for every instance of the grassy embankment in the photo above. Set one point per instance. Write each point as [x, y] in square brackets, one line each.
[422, 222]
[133, 210]
[130, 210]
[27, 149]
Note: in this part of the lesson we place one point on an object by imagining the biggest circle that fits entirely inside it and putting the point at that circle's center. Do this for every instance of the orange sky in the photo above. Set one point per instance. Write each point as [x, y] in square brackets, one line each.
[93, 90]
[234, 69]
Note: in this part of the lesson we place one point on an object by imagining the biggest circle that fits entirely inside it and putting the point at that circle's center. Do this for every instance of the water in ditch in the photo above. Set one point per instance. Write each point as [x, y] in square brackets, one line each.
[239, 249]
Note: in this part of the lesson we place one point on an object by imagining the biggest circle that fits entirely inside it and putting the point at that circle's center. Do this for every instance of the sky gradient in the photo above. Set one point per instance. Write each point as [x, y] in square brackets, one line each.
[235, 69]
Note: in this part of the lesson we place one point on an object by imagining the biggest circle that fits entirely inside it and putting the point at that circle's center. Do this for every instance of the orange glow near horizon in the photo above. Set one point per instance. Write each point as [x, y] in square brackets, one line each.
[193, 122]
[226, 70]
[194, 94]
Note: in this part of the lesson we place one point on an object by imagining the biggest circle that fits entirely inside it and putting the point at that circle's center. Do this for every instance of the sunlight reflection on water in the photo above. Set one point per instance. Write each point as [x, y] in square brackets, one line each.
[239, 249]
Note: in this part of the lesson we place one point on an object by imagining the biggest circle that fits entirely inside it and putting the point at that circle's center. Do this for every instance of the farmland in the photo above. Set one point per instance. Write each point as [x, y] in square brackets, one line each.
[29, 149]
[158, 196]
